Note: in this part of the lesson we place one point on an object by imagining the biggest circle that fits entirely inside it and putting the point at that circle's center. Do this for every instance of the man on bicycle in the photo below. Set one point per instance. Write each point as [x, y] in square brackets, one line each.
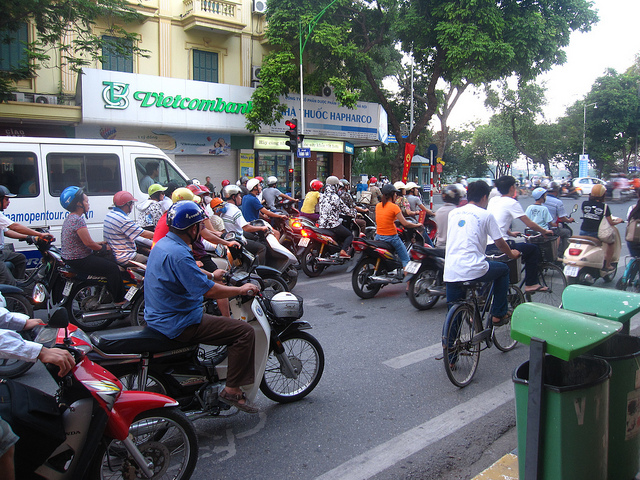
[506, 209]
[469, 228]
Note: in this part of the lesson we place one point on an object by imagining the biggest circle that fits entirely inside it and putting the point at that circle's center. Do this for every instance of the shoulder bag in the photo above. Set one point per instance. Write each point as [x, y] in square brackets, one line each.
[605, 230]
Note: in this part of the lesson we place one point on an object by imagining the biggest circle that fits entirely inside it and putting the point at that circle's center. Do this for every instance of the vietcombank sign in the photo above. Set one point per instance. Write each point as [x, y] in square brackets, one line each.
[119, 98]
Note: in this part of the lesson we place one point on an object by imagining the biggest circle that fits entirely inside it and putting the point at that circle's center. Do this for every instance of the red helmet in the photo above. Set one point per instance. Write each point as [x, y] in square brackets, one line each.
[122, 198]
[373, 180]
[196, 189]
[260, 178]
[225, 183]
[316, 185]
[204, 189]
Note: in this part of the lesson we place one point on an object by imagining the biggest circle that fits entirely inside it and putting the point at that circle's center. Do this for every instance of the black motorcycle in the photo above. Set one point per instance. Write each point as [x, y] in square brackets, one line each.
[424, 276]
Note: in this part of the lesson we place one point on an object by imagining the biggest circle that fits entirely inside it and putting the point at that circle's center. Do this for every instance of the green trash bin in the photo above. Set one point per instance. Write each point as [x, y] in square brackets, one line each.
[574, 420]
[622, 352]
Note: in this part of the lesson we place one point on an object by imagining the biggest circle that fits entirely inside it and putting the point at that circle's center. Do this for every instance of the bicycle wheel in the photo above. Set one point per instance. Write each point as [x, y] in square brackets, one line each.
[552, 277]
[630, 281]
[460, 357]
[502, 334]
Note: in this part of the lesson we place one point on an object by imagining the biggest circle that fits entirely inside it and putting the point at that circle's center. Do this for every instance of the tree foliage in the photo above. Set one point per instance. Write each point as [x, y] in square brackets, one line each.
[459, 41]
[52, 20]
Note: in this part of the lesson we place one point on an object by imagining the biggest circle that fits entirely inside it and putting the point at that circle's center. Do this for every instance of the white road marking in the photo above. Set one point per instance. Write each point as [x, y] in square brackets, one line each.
[414, 357]
[380, 458]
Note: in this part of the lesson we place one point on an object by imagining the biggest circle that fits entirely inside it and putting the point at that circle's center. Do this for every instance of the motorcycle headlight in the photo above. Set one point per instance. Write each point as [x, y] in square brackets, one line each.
[39, 294]
[81, 341]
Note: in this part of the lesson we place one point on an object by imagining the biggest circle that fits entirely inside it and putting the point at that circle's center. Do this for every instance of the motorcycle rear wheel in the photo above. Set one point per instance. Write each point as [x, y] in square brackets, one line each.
[10, 367]
[309, 261]
[307, 357]
[418, 289]
[360, 278]
[164, 436]
[83, 293]
[136, 317]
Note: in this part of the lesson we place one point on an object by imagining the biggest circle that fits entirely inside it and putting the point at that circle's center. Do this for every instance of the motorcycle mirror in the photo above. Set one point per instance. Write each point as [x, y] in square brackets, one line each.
[575, 208]
[59, 318]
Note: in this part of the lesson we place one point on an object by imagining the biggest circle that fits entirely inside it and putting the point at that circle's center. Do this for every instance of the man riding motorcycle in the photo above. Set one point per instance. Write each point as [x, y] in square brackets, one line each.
[174, 291]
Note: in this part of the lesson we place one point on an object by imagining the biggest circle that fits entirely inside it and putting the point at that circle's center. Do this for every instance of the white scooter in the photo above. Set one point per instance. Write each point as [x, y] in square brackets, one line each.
[584, 258]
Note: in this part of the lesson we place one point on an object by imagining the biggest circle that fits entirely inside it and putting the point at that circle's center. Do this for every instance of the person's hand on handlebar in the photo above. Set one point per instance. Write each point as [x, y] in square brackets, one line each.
[61, 358]
[515, 254]
[248, 289]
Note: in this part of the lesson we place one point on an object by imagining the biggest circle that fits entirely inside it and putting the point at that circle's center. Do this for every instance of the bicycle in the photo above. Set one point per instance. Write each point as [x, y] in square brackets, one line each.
[464, 330]
[630, 280]
[550, 275]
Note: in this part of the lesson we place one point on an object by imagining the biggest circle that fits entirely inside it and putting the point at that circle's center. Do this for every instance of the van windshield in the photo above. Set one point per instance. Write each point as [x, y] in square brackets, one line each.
[19, 173]
[156, 170]
[98, 174]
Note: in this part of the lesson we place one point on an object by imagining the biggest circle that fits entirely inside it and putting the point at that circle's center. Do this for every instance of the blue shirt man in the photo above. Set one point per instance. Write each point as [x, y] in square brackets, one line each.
[251, 207]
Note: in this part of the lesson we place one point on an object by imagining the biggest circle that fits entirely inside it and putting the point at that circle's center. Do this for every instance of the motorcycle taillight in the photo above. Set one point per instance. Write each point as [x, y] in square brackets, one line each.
[358, 246]
[415, 255]
[305, 233]
[575, 251]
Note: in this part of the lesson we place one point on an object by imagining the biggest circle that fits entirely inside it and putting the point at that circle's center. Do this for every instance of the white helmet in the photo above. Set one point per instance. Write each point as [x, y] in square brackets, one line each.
[230, 190]
[272, 180]
[411, 185]
[253, 183]
[399, 185]
[332, 180]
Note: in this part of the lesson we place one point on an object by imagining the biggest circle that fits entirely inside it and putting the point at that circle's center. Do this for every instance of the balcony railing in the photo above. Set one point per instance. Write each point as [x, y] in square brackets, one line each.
[216, 14]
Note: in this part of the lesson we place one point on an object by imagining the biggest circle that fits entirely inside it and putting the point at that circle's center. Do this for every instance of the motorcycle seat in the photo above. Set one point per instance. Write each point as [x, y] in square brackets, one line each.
[436, 252]
[379, 244]
[596, 242]
[135, 340]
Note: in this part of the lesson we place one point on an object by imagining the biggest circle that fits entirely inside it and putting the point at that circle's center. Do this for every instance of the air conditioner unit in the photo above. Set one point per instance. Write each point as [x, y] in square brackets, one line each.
[255, 73]
[255, 84]
[260, 6]
[50, 99]
[20, 97]
[327, 91]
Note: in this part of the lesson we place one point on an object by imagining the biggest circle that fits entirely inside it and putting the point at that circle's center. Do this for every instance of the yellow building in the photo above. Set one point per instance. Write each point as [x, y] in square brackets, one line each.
[188, 97]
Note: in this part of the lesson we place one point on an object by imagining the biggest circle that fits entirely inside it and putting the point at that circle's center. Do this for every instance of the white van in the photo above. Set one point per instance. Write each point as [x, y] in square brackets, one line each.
[37, 170]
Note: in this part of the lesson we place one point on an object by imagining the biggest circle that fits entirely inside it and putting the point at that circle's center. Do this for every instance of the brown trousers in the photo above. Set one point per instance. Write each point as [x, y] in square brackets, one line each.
[239, 338]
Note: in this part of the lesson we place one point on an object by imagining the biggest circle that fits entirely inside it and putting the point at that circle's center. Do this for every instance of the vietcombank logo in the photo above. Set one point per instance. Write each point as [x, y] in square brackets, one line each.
[116, 96]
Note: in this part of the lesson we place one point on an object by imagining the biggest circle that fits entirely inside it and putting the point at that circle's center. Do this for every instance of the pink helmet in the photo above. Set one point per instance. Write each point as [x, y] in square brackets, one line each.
[122, 198]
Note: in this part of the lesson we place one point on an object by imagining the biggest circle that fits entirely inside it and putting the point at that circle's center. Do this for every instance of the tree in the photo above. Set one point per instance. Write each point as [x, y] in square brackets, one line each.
[55, 18]
[461, 42]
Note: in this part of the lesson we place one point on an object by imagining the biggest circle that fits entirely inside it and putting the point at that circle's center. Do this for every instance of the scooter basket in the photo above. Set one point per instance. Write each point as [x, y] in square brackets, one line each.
[548, 246]
[285, 307]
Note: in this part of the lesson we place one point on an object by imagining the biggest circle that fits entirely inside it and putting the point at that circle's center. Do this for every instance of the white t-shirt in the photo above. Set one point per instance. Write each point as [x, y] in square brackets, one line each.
[233, 219]
[5, 222]
[467, 232]
[505, 210]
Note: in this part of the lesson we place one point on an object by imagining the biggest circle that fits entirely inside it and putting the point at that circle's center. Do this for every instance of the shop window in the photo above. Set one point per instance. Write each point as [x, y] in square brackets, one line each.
[98, 174]
[205, 66]
[323, 166]
[114, 54]
[275, 164]
[156, 170]
[13, 48]
[19, 173]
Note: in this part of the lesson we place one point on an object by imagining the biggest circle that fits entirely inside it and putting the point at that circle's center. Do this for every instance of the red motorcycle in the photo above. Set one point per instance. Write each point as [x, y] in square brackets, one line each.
[94, 429]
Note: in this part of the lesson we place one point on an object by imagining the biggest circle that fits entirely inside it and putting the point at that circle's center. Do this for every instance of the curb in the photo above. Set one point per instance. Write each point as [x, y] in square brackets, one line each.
[504, 469]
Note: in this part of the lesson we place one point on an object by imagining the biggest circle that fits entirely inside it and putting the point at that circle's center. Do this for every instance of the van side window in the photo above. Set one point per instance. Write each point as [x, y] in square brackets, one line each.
[19, 173]
[98, 174]
[156, 170]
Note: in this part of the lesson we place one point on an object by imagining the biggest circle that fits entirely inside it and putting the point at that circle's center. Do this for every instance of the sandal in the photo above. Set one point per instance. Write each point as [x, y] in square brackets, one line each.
[233, 399]
[503, 321]
[539, 288]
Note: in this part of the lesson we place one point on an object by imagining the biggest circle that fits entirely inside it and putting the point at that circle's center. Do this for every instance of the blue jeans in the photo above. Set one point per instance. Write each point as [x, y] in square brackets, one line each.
[498, 273]
[530, 255]
[397, 245]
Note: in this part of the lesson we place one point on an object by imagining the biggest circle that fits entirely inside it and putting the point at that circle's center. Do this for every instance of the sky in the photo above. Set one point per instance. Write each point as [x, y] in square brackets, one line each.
[612, 43]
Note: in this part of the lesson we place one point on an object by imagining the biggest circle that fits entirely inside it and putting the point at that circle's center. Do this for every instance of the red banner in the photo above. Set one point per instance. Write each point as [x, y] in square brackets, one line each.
[409, 148]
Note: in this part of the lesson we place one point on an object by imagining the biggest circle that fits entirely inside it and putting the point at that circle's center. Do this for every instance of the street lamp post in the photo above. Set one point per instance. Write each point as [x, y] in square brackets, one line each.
[584, 124]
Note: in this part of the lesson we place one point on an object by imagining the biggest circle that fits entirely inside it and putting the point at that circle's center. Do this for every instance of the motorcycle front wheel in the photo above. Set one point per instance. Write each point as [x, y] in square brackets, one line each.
[309, 261]
[360, 279]
[306, 357]
[165, 437]
[419, 287]
[11, 367]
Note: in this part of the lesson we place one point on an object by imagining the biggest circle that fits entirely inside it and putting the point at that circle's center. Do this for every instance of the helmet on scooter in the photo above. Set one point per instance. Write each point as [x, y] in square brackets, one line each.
[399, 185]
[345, 183]
[120, 199]
[316, 185]
[195, 189]
[253, 183]
[272, 180]
[598, 191]
[70, 197]
[229, 191]
[411, 185]
[388, 189]
[225, 183]
[184, 214]
[4, 192]
[451, 194]
[181, 193]
[373, 180]
[333, 180]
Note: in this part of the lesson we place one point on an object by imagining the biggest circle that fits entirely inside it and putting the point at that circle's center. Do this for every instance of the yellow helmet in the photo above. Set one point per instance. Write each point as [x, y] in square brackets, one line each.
[598, 191]
[181, 193]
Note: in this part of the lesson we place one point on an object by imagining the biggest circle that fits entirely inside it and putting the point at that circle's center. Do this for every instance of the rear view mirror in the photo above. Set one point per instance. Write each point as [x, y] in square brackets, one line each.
[575, 208]
[59, 318]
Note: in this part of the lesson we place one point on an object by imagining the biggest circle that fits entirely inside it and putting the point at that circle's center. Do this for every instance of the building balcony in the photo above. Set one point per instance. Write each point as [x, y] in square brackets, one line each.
[223, 16]
[147, 8]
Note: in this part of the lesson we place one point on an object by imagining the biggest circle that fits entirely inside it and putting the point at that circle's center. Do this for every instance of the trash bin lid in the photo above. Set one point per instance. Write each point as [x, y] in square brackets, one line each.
[601, 302]
[568, 334]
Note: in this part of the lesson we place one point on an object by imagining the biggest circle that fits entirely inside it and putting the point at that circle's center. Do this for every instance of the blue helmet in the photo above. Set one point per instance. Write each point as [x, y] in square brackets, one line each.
[70, 196]
[184, 214]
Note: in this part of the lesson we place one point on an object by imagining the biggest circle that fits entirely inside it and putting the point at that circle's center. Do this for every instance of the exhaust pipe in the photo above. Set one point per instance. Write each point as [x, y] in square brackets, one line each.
[103, 315]
[590, 279]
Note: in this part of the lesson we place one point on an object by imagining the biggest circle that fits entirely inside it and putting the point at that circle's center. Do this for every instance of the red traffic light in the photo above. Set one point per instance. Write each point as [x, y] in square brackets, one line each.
[291, 124]
[291, 170]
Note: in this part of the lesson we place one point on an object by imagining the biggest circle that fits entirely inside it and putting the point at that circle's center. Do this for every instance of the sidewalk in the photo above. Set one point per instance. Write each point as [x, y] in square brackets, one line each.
[504, 469]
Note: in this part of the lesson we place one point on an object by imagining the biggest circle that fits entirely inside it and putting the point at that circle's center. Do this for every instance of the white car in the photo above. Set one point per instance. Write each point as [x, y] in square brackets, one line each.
[587, 183]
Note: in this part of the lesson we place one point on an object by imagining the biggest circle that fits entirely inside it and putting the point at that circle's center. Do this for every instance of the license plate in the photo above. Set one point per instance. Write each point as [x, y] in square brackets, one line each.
[412, 267]
[67, 288]
[130, 293]
[571, 271]
[304, 241]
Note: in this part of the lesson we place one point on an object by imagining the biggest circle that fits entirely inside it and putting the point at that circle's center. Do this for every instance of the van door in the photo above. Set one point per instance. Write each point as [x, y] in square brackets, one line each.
[21, 165]
[96, 168]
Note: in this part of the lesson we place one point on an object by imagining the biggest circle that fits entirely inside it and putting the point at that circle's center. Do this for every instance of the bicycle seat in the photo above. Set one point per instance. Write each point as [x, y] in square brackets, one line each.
[588, 240]
[136, 340]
